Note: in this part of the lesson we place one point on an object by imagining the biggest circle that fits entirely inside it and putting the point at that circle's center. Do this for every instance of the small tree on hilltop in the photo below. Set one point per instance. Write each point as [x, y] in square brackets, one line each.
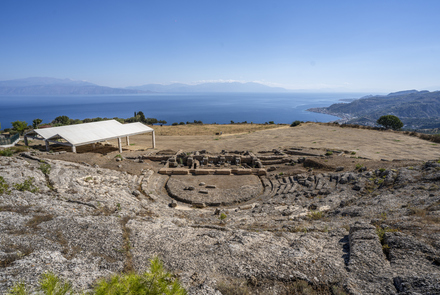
[36, 123]
[19, 126]
[390, 121]
[61, 120]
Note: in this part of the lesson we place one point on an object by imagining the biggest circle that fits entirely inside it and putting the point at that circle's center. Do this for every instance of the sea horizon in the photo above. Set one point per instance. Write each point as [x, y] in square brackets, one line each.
[210, 108]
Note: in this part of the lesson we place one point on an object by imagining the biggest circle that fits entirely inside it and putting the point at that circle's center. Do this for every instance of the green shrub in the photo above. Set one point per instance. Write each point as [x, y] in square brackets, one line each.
[6, 153]
[27, 185]
[49, 284]
[45, 168]
[223, 216]
[119, 156]
[18, 289]
[295, 123]
[329, 153]
[175, 124]
[359, 166]
[4, 187]
[156, 281]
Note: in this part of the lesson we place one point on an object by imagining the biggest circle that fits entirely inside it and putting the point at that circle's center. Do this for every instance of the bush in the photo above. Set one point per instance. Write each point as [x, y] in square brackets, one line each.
[174, 124]
[27, 185]
[61, 120]
[390, 121]
[6, 153]
[49, 284]
[295, 123]
[45, 168]
[4, 187]
[156, 281]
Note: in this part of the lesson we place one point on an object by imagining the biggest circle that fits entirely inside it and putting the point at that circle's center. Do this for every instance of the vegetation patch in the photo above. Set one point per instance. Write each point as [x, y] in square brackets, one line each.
[4, 187]
[37, 219]
[155, 281]
[27, 185]
[315, 215]
[6, 153]
[45, 168]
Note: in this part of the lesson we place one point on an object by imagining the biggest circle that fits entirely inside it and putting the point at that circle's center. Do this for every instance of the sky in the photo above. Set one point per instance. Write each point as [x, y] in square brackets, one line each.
[364, 46]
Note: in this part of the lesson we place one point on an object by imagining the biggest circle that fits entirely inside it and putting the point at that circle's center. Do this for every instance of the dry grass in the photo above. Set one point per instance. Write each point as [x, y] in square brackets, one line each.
[37, 219]
[211, 129]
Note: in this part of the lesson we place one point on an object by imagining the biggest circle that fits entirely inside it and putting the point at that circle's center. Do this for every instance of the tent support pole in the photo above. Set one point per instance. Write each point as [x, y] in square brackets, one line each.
[119, 145]
[47, 145]
[154, 139]
[73, 149]
[127, 140]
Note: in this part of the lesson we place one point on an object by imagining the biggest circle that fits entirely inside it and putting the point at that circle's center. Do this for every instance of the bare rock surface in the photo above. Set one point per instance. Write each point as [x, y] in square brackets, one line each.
[369, 232]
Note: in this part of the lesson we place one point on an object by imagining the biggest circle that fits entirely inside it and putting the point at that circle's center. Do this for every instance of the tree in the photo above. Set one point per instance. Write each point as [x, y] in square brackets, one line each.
[140, 116]
[295, 123]
[61, 120]
[36, 122]
[151, 121]
[390, 121]
[19, 126]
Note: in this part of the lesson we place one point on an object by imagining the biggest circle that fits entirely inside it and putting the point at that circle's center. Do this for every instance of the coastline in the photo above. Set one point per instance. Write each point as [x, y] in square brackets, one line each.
[323, 110]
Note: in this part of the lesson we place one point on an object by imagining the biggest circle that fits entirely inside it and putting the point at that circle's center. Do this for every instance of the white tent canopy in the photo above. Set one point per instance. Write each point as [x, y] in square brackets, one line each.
[87, 133]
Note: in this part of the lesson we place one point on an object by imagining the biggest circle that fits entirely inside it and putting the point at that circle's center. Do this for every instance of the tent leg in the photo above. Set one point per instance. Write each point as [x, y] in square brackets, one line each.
[128, 140]
[154, 139]
[47, 145]
[73, 149]
[119, 145]
[26, 141]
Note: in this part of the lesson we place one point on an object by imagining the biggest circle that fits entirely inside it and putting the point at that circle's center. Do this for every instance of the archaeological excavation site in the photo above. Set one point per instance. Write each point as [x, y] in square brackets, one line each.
[284, 220]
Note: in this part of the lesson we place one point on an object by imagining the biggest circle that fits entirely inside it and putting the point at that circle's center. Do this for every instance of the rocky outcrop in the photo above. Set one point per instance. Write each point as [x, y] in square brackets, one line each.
[85, 223]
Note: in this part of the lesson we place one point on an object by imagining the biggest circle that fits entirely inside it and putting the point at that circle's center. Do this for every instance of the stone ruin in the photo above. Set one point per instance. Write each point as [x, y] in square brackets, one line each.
[204, 179]
[224, 163]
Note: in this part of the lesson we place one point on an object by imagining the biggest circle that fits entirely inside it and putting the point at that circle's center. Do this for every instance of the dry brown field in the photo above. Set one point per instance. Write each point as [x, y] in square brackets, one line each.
[371, 144]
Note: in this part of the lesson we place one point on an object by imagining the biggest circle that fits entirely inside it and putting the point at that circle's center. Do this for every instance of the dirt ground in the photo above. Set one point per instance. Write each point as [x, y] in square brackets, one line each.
[371, 144]
[367, 147]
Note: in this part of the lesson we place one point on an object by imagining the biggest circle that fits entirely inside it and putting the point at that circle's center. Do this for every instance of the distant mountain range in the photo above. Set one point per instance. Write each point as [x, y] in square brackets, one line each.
[210, 87]
[416, 109]
[52, 86]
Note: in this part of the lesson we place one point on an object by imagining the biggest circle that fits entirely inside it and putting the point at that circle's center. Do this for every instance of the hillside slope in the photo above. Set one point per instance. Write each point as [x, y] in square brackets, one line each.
[417, 109]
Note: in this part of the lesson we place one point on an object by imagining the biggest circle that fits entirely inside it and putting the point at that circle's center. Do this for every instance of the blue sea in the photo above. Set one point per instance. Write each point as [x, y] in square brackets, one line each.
[218, 108]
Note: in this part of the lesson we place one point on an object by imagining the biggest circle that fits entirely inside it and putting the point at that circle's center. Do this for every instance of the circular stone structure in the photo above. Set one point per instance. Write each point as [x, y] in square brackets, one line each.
[214, 190]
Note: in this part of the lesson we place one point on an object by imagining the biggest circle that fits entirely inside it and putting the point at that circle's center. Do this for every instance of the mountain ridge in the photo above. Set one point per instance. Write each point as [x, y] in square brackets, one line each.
[210, 87]
[416, 109]
[54, 86]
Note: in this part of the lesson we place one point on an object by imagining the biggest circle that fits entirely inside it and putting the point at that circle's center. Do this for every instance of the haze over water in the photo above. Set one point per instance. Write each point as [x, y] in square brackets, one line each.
[218, 108]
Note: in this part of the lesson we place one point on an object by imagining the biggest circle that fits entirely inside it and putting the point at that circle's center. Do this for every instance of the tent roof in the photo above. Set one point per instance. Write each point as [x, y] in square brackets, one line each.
[81, 134]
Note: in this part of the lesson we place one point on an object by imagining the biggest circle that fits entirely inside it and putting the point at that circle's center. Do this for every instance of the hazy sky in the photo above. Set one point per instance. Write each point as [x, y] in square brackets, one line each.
[336, 45]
